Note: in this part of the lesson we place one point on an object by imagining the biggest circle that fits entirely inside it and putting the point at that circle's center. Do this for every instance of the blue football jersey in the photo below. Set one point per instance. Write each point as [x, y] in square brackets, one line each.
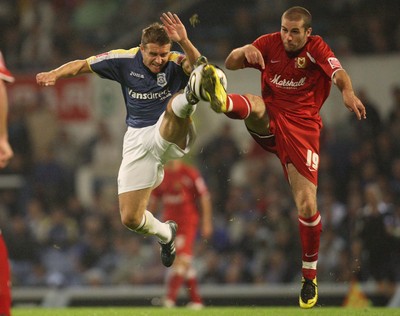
[146, 94]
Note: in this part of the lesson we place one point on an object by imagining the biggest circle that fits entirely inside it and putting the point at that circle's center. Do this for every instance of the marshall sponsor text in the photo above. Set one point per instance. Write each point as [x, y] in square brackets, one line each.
[288, 84]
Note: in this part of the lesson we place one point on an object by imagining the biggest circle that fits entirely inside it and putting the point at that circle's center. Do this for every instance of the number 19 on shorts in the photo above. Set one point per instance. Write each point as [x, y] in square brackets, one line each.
[312, 160]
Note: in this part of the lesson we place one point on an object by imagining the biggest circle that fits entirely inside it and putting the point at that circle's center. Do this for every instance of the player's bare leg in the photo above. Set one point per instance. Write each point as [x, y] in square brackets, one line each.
[177, 119]
[136, 217]
[175, 129]
[304, 192]
[132, 206]
[305, 196]
[177, 126]
[257, 121]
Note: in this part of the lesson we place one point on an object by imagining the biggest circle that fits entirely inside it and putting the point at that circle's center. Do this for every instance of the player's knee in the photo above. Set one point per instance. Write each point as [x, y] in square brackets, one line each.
[130, 220]
[257, 106]
[258, 120]
[307, 207]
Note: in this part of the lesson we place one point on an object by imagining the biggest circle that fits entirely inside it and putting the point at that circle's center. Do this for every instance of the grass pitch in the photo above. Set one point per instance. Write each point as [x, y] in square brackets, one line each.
[209, 311]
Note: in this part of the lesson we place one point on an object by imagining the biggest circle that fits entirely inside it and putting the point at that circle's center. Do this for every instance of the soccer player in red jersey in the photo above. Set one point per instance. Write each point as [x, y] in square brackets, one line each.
[184, 196]
[5, 155]
[297, 70]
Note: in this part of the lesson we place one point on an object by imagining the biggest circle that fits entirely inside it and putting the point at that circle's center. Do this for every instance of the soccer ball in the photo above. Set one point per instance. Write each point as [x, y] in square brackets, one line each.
[195, 80]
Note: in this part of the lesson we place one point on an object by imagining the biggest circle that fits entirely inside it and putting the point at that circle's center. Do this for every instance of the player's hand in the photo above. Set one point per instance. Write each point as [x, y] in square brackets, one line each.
[174, 27]
[354, 104]
[6, 153]
[253, 56]
[46, 78]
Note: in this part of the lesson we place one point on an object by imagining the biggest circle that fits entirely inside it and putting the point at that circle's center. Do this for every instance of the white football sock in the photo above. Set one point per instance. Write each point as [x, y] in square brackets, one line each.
[152, 226]
[181, 107]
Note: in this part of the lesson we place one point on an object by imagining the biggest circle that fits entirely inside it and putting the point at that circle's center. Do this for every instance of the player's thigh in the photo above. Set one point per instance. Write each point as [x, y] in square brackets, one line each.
[304, 192]
[133, 203]
[166, 150]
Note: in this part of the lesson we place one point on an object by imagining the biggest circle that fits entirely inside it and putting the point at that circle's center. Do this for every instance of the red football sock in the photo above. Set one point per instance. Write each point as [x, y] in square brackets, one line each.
[310, 232]
[193, 290]
[239, 107]
[173, 285]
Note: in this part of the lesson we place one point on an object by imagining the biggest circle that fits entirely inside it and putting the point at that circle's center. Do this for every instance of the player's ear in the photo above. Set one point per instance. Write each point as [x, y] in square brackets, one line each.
[309, 31]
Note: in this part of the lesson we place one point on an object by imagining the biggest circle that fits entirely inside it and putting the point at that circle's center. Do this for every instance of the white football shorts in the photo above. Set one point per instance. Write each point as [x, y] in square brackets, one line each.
[144, 154]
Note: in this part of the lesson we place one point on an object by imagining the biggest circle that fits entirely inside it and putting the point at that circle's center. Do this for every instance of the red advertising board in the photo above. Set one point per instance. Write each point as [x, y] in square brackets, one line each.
[71, 98]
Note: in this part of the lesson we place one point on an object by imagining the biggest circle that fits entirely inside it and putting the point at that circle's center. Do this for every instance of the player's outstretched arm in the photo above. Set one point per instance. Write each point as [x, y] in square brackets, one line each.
[350, 100]
[177, 33]
[238, 56]
[70, 69]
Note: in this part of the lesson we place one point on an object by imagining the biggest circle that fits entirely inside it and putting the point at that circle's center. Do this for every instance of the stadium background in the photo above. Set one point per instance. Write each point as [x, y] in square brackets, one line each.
[58, 209]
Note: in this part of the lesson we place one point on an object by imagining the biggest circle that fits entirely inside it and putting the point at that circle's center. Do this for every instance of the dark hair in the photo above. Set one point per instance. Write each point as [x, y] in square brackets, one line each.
[298, 13]
[156, 34]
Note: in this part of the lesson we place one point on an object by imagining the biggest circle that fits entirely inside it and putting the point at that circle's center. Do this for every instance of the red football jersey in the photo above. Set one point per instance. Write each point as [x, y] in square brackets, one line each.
[296, 84]
[294, 88]
[179, 192]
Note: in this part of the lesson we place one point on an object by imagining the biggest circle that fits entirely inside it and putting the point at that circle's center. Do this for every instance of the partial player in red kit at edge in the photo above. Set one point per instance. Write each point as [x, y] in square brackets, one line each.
[186, 200]
[297, 70]
[5, 155]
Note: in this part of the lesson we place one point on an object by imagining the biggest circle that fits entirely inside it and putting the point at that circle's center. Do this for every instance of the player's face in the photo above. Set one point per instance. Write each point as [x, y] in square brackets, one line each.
[155, 56]
[293, 35]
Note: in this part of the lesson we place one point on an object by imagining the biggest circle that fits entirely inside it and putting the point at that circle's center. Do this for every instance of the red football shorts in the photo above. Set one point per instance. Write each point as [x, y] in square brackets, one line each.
[185, 238]
[5, 282]
[294, 140]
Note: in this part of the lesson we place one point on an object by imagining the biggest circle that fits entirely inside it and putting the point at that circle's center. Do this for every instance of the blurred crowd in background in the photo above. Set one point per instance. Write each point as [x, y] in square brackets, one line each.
[56, 240]
[41, 34]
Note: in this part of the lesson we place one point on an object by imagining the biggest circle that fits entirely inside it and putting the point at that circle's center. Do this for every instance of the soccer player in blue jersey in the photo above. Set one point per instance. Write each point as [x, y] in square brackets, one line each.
[158, 116]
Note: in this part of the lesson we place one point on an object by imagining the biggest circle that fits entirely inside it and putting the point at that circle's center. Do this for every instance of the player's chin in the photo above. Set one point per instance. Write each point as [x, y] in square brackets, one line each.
[156, 69]
[290, 49]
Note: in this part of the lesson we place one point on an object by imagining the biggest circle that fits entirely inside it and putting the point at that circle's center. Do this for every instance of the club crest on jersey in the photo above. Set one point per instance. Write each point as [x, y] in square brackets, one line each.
[301, 62]
[161, 79]
[334, 63]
